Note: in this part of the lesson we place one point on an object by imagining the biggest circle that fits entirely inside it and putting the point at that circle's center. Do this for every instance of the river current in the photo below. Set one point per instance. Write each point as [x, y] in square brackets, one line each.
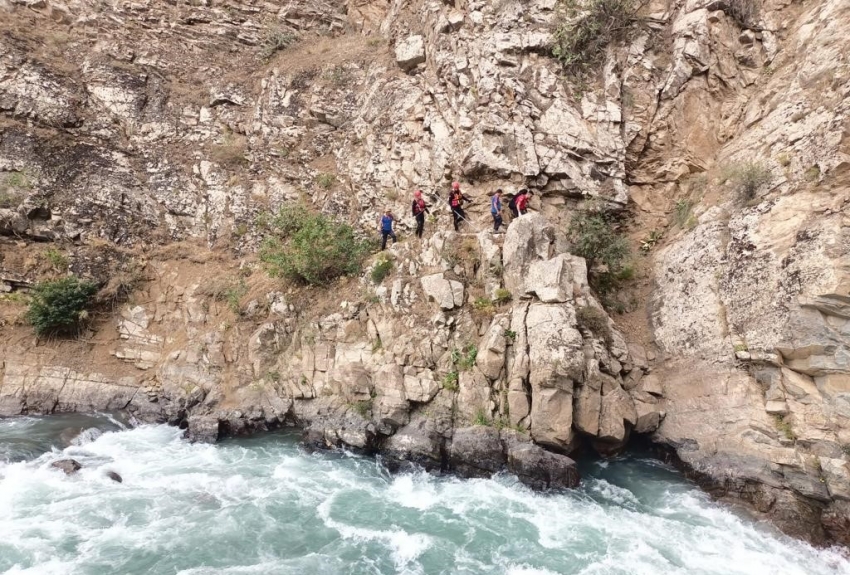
[264, 506]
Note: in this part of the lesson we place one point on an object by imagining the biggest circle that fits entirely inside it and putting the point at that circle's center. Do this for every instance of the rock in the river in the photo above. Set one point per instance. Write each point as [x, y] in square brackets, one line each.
[476, 451]
[203, 429]
[541, 469]
[69, 466]
[114, 477]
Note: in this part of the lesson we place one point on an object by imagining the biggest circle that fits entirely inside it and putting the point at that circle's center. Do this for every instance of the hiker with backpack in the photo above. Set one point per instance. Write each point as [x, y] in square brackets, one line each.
[418, 209]
[386, 228]
[519, 203]
[456, 199]
[522, 202]
[496, 210]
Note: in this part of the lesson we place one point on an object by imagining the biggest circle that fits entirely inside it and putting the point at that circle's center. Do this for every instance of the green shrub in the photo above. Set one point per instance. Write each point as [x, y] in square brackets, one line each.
[450, 381]
[683, 212]
[382, 268]
[56, 258]
[595, 321]
[510, 335]
[363, 408]
[502, 296]
[310, 247]
[586, 28]
[325, 181]
[593, 237]
[276, 40]
[483, 305]
[465, 358]
[748, 178]
[481, 418]
[784, 427]
[60, 306]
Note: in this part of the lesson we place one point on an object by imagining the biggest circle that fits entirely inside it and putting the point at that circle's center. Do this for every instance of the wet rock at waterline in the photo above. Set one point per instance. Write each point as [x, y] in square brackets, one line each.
[68, 466]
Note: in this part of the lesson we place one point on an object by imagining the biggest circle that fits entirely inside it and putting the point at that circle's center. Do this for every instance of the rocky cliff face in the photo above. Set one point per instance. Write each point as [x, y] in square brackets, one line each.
[143, 139]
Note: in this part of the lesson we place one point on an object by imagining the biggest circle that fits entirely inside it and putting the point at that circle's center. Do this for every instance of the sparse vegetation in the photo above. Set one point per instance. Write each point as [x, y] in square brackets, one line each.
[502, 296]
[483, 306]
[276, 40]
[325, 180]
[465, 358]
[382, 268]
[585, 29]
[683, 212]
[784, 427]
[510, 335]
[231, 152]
[812, 174]
[363, 408]
[748, 178]
[233, 296]
[594, 238]
[273, 375]
[740, 346]
[744, 12]
[595, 321]
[450, 381]
[56, 259]
[377, 345]
[60, 306]
[481, 418]
[649, 241]
[310, 247]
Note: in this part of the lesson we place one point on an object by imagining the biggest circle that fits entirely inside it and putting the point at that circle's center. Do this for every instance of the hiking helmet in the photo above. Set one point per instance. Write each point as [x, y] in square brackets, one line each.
[455, 185]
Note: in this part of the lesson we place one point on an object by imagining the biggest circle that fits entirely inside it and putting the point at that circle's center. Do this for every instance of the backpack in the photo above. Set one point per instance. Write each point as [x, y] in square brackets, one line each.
[512, 203]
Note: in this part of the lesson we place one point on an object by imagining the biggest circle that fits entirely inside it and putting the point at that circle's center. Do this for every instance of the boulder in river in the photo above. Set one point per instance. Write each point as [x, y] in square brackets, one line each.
[114, 476]
[69, 466]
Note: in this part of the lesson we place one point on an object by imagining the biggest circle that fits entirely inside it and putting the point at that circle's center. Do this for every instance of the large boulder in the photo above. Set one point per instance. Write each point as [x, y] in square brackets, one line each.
[410, 52]
[203, 429]
[447, 293]
[417, 444]
[541, 469]
[476, 451]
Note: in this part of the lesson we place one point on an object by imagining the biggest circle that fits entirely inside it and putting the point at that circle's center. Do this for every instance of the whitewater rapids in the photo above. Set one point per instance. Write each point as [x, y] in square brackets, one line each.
[262, 506]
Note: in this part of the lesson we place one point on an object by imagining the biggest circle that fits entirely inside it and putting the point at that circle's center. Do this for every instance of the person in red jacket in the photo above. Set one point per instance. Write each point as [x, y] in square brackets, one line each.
[522, 202]
[456, 199]
[418, 209]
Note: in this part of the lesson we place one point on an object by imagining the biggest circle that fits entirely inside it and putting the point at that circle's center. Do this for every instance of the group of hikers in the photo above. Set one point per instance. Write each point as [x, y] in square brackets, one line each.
[518, 204]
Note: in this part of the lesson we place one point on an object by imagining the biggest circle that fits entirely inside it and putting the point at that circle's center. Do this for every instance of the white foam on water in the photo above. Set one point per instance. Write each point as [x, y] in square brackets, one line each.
[266, 507]
[405, 547]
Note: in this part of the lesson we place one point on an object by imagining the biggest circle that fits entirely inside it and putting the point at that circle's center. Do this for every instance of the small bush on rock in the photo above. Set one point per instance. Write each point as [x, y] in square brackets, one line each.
[595, 321]
[60, 306]
[748, 178]
[587, 27]
[382, 268]
[745, 12]
[606, 251]
[310, 247]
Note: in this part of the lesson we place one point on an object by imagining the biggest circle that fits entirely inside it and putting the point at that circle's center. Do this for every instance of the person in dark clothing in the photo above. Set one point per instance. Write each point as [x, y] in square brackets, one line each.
[418, 209]
[512, 203]
[456, 199]
[386, 228]
[522, 202]
[496, 210]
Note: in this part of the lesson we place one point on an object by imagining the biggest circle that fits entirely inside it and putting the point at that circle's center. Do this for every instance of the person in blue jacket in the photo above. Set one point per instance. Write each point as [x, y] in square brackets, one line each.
[496, 210]
[386, 227]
